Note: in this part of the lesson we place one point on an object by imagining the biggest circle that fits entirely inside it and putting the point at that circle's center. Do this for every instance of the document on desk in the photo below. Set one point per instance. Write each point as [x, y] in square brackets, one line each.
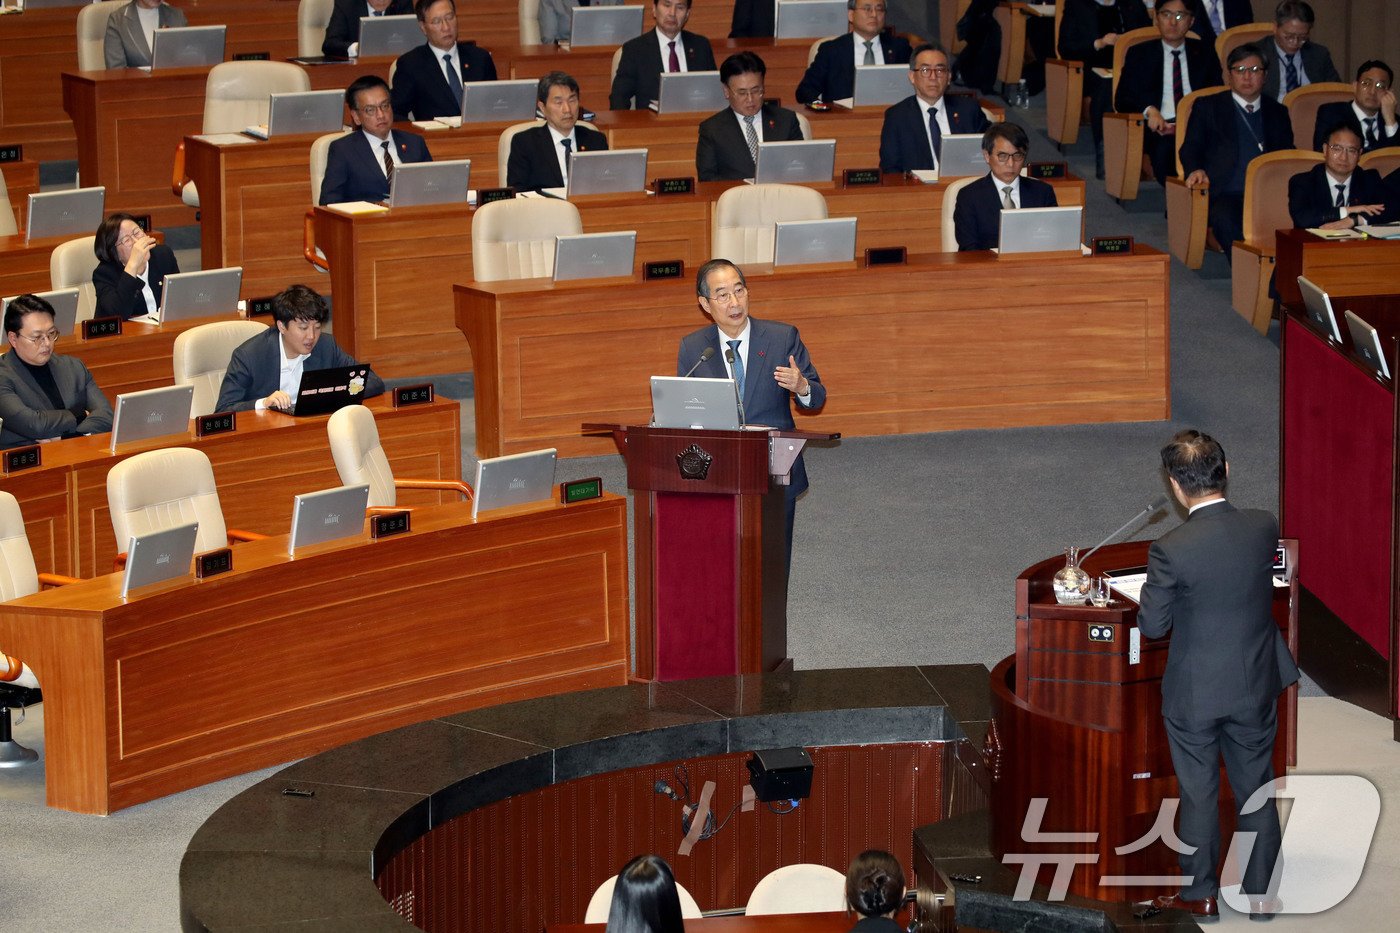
[1041, 9]
[1337, 234]
[1128, 582]
[224, 139]
[358, 207]
[1383, 231]
[926, 175]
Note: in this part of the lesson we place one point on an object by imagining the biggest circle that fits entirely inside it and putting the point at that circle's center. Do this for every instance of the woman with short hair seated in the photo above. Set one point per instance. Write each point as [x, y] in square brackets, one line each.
[131, 268]
[645, 898]
[875, 890]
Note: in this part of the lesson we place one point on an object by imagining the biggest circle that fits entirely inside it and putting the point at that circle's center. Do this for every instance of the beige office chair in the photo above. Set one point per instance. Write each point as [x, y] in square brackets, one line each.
[530, 25]
[1236, 36]
[950, 204]
[320, 153]
[742, 229]
[1265, 213]
[92, 30]
[8, 226]
[70, 266]
[1122, 132]
[1303, 104]
[514, 239]
[1385, 160]
[359, 458]
[1188, 208]
[313, 16]
[200, 358]
[798, 889]
[1064, 92]
[803, 124]
[600, 904]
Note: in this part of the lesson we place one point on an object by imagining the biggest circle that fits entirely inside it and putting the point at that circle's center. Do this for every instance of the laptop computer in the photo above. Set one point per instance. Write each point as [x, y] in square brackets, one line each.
[385, 36]
[159, 556]
[690, 92]
[185, 295]
[1367, 343]
[605, 25]
[65, 308]
[328, 515]
[494, 101]
[1041, 229]
[810, 19]
[64, 213]
[694, 402]
[594, 255]
[795, 161]
[417, 183]
[881, 85]
[324, 391]
[514, 480]
[607, 171]
[802, 242]
[305, 112]
[151, 413]
[961, 156]
[188, 47]
[1318, 306]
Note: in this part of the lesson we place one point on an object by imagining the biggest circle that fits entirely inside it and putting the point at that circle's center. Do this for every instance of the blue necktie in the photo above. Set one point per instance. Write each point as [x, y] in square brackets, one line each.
[935, 134]
[1217, 18]
[453, 81]
[738, 367]
[1290, 68]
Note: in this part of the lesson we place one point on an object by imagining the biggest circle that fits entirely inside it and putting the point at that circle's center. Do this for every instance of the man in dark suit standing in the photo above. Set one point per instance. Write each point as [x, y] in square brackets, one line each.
[1156, 75]
[343, 31]
[753, 19]
[1293, 59]
[1210, 586]
[912, 135]
[727, 145]
[832, 74]
[1225, 133]
[360, 165]
[44, 395]
[428, 80]
[1212, 17]
[1372, 107]
[539, 156]
[1337, 195]
[668, 47]
[977, 216]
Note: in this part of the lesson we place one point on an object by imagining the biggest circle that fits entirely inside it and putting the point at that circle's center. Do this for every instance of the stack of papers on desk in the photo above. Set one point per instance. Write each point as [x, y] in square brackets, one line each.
[1337, 234]
[358, 207]
[1384, 231]
[223, 139]
[260, 130]
[928, 176]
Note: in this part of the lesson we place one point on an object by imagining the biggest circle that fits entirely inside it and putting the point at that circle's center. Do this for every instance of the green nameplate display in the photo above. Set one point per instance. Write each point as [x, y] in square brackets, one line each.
[581, 490]
[1111, 245]
[665, 269]
[1044, 170]
[673, 186]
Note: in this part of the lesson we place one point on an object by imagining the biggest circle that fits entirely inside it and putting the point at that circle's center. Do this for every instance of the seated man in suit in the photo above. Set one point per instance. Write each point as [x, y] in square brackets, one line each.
[832, 74]
[130, 35]
[360, 165]
[1226, 132]
[1212, 17]
[343, 31]
[265, 371]
[539, 156]
[1337, 195]
[1293, 59]
[1088, 32]
[1372, 107]
[428, 79]
[753, 19]
[912, 135]
[977, 217]
[668, 47]
[44, 395]
[727, 145]
[1156, 75]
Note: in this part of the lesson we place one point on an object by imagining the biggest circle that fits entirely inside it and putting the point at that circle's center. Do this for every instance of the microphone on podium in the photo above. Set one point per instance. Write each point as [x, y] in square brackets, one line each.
[1151, 508]
[704, 357]
[729, 358]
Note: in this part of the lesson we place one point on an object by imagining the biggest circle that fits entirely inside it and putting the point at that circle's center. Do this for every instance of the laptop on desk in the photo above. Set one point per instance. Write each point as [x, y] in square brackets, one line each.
[605, 25]
[159, 556]
[1318, 306]
[516, 479]
[881, 85]
[803, 242]
[418, 183]
[496, 101]
[151, 413]
[607, 171]
[795, 161]
[185, 295]
[64, 213]
[1041, 229]
[305, 112]
[594, 255]
[328, 515]
[689, 92]
[811, 19]
[699, 402]
[188, 47]
[961, 156]
[1368, 345]
[324, 391]
[389, 36]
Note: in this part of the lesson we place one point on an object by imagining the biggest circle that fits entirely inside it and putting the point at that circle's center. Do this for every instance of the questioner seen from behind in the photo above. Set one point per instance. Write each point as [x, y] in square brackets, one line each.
[131, 268]
[359, 165]
[428, 79]
[265, 371]
[131, 31]
[539, 156]
[44, 395]
[667, 48]
[343, 30]
[726, 147]
[911, 138]
[977, 217]
[645, 899]
[875, 890]
[832, 74]
[1337, 195]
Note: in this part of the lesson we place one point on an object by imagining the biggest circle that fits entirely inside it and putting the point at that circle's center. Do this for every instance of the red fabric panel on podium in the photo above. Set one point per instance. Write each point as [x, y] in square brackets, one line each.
[697, 579]
[1338, 468]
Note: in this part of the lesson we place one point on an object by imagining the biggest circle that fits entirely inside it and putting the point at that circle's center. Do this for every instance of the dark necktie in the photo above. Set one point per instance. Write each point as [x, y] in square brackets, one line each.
[568, 145]
[377, 13]
[453, 81]
[675, 63]
[1178, 88]
[1372, 139]
[738, 367]
[869, 52]
[751, 137]
[1290, 73]
[1341, 195]
[388, 162]
[936, 135]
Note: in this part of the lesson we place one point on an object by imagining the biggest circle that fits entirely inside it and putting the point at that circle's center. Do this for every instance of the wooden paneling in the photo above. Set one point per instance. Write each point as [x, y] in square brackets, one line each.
[1342, 267]
[25, 266]
[21, 180]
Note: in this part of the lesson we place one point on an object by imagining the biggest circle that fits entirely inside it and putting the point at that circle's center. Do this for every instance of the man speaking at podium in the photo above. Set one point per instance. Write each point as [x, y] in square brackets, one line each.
[1210, 585]
[766, 360]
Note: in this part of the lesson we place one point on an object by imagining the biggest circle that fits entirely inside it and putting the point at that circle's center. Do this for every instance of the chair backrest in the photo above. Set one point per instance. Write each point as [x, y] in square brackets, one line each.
[8, 225]
[601, 903]
[1236, 36]
[503, 145]
[92, 30]
[1183, 114]
[17, 573]
[313, 16]
[320, 153]
[1266, 192]
[1384, 160]
[358, 455]
[514, 239]
[804, 124]
[1059, 18]
[1120, 49]
[70, 266]
[950, 204]
[617, 57]
[798, 889]
[1303, 103]
[200, 358]
[164, 488]
[530, 25]
[744, 218]
[235, 94]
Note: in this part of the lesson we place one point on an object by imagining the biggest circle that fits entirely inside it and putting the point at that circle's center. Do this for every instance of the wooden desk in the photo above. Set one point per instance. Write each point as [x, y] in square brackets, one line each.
[947, 342]
[21, 180]
[193, 681]
[24, 267]
[839, 922]
[1352, 267]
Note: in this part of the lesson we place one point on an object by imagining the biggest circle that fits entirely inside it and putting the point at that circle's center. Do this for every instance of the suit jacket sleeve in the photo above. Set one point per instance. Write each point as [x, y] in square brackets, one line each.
[518, 166]
[117, 290]
[335, 184]
[798, 351]
[814, 79]
[99, 419]
[706, 158]
[1198, 132]
[404, 91]
[1155, 600]
[20, 419]
[1303, 206]
[624, 86]
[965, 225]
[1078, 31]
[113, 52]
[890, 160]
[1135, 85]
[340, 31]
[239, 392]
[794, 128]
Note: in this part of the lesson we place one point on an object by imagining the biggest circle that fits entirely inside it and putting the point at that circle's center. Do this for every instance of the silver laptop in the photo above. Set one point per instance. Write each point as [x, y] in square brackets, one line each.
[605, 25]
[1367, 344]
[594, 255]
[796, 161]
[186, 295]
[159, 556]
[65, 308]
[694, 402]
[151, 413]
[1319, 309]
[608, 171]
[65, 213]
[418, 183]
[802, 242]
[305, 112]
[689, 92]
[328, 515]
[961, 156]
[188, 47]
[385, 36]
[495, 101]
[1041, 229]
[514, 480]
[811, 19]
[881, 85]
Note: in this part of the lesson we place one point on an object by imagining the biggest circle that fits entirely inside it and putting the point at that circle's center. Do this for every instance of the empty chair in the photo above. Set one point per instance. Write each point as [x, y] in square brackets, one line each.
[359, 458]
[798, 889]
[1303, 104]
[92, 32]
[1384, 160]
[744, 219]
[1236, 36]
[950, 204]
[70, 266]
[320, 152]
[529, 15]
[514, 239]
[8, 226]
[200, 358]
[601, 901]
[313, 16]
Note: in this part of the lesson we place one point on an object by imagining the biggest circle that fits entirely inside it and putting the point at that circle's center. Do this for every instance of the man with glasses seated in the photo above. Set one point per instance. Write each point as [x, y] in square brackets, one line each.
[977, 217]
[44, 395]
[359, 166]
[1337, 195]
[428, 79]
[1292, 58]
[912, 135]
[1372, 107]
[727, 145]
[832, 74]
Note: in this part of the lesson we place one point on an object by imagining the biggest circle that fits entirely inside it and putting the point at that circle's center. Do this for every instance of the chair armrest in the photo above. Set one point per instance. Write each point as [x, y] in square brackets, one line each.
[384, 510]
[308, 242]
[447, 484]
[1263, 251]
[1065, 63]
[234, 534]
[992, 110]
[178, 178]
[1181, 183]
[54, 579]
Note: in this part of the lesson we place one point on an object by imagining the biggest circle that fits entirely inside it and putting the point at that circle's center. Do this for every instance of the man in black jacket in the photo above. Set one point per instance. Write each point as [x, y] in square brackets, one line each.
[667, 48]
[727, 144]
[428, 80]
[1337, 195]
[1294, 60]
[539, 156]
[343, 31]
[1372, 106]
[832, 74]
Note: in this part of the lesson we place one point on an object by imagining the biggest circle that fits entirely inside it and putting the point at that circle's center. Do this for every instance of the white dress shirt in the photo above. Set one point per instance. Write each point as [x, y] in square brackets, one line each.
[941, 117]
[1201, 505]
[558, 138]
[150, 20]
[859, 43]
[666, 51]
[146, 291]
[1383, 129]
[376, 145]
[289, 379]
[1168, 104]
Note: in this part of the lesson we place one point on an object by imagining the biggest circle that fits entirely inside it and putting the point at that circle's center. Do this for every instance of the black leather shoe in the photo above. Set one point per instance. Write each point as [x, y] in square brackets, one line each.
[1206, 910]
[1262, 909]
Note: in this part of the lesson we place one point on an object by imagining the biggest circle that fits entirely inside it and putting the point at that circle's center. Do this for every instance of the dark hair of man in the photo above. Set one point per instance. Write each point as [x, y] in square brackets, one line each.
[702, 278]
[1007, 131]
[1249, 50]
[1376, 63]
[1289, 10]
[874, 883]
[1196, 461]
[420, 7]
[645, 898]
[21, 305]
[1345, 125]
[741, 63]
[299, 303]
[921, 49]
[1161, 4]
[552, 80]
[361, 84]
[104, 243]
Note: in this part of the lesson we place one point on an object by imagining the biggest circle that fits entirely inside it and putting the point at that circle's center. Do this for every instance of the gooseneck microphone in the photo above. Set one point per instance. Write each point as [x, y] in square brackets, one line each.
[704, 358]
[1152, 507]
[739, 396]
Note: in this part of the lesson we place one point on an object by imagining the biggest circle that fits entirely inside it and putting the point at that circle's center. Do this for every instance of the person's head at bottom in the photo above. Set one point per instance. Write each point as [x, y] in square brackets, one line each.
[875, 884]
[645, 898]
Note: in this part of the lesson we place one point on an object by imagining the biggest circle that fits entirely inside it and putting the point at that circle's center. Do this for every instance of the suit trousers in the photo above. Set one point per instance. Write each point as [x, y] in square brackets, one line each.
[1226, 219]
[1161, 152]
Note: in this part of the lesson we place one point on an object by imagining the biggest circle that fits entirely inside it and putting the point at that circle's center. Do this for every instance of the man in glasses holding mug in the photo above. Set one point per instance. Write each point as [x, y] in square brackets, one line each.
[44, 395]
[912, 135]
[977, 217]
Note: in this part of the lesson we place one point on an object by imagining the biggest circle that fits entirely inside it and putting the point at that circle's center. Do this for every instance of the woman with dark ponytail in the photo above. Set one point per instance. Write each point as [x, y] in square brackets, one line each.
[875, 890]
[645, 899]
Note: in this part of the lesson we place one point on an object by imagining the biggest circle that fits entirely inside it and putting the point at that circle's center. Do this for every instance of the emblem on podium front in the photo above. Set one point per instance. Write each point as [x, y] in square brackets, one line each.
[694, 462]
